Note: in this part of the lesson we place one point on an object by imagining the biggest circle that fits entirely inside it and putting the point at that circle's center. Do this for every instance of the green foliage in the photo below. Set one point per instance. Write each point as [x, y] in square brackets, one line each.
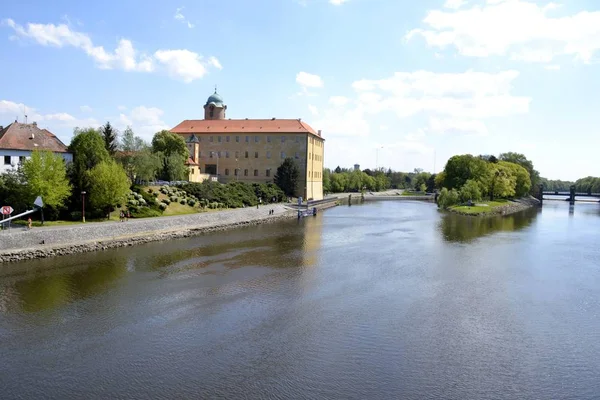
[287, 176]
[461, 168]
[448, 198]
[233, 194]
[88, 150]
[420, 180]
[109, 184]
[147, 165]
[14, 192]
[471, 190]
[522, 178]
[326, 180]
[144, 212]
[110, 138]
[558, 185]
[587, 185]
[520, 159]
[44, 174]
[173, 154]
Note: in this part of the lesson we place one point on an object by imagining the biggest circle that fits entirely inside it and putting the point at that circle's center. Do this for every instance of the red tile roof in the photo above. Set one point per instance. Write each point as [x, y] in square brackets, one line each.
[17, 136]
[204, 126]
[191, 162]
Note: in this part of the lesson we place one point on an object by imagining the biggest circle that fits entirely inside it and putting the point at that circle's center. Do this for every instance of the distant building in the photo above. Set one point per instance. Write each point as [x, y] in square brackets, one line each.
[357, 167]
[251, 150]
[18, 140]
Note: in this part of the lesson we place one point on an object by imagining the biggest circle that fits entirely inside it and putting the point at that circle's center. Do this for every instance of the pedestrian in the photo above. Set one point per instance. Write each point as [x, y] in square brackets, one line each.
[122, 216]
[29, 223]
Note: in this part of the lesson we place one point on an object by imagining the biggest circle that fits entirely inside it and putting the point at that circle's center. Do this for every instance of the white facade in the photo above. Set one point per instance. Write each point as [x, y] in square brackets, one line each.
[10, 159]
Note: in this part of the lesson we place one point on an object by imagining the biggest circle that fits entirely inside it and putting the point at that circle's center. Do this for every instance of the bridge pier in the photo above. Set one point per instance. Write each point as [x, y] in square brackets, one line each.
[541, 195]
[572, 195]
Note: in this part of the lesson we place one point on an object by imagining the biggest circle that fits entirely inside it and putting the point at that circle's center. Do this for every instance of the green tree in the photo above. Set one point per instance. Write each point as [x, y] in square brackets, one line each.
[447, 198]
[520, 159]
[471, 190]
[45, 175]
[88, 149]
[501, 181]
[110, 138]
[339, 183]
[173, 152]
[522, 179]
[461, 168]
[146, 165]
[338, 170]
[326, 180]
[287, 176]
[109, 185]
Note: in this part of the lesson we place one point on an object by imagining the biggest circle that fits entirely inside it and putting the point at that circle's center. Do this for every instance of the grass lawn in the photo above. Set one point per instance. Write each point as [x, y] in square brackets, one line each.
[406, 193]
[173, 208]
[482, 207]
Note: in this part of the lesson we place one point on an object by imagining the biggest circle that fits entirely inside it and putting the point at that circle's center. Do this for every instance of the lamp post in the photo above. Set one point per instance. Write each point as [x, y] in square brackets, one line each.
[217, 153]
[83, 205]
[237, 170]
[377, 158]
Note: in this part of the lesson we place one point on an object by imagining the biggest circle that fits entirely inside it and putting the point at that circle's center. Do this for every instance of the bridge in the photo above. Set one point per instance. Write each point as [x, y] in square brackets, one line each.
[570, 196]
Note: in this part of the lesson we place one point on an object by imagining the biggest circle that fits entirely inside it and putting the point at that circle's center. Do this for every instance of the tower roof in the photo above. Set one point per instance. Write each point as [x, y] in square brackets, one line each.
[215, 99]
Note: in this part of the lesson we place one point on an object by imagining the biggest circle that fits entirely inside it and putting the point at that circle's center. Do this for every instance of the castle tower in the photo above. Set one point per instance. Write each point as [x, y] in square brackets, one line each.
[214, 107]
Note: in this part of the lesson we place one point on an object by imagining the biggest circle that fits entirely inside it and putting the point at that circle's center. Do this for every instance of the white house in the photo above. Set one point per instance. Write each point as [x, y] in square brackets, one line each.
[18, 140]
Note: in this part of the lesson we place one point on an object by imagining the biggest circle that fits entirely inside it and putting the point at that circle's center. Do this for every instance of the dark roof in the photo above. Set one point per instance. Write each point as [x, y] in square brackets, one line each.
[193, 139]
[18, 136]
[241, 126]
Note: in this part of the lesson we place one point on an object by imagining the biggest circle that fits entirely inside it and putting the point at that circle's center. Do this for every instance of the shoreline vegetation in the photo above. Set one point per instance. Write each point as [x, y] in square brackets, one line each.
[495, 208]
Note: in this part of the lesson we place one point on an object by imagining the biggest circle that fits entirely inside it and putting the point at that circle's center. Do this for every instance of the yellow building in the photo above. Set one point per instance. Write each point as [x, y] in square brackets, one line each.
[251, 150]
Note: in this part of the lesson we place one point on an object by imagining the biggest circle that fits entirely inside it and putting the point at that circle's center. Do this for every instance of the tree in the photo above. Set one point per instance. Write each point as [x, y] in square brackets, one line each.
[173, 152]
[326, 180]
[110, 138]
[338, 170]
[45, 175]
[88, 149]
[130, 145]
[287, 176]
[146, 165]
[109, 185]
[461, 168]
[471, 190]
[501, 182]
[521, 176]
[447, 198]
[521, 160]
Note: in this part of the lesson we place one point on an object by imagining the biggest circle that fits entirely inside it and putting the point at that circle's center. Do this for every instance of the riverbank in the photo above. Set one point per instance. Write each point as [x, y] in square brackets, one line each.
[22, 244]
[505, 207]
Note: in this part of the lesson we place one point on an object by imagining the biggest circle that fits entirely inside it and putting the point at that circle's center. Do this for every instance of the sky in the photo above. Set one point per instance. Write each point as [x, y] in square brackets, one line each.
[402, 84]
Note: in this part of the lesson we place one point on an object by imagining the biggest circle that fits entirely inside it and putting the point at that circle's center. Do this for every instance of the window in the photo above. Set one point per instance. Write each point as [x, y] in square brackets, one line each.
[268, 154]
[193, 170]
[235, 172]
[310, 156]
[227, 139]
[246, 154]
[255, 172]
[283, 154]
[211, 138]
[211, 153]
[268, 139]
[219, 139]
[21, 159]
[255, 139]
[245, 172]
[247, 139]
[6, 160]
[283, 139]
[268, 173]
[256, 154]
[212, 113]
[226, 171]
[226, 154]
[297, 155]
[237, 139]
[237, 154]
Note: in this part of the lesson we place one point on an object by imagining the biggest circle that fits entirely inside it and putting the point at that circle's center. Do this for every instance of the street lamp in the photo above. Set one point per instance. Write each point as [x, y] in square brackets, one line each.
[377, 158]
[83, 205]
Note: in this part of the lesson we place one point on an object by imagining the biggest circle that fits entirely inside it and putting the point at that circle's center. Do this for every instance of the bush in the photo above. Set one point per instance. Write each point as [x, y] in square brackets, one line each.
[191, 202]
[155, 194]
[173, 199]
[133, 202]
[470, 191]
[448, 198]
[150, 190]
[182, 201]
[162, 206]
[145, 212]
[166, 201]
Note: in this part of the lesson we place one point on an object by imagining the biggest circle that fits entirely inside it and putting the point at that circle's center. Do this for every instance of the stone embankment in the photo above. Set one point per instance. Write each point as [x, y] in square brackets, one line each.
[21, 244]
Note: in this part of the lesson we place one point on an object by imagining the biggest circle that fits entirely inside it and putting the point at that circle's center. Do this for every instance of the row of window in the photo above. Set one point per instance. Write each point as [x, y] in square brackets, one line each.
[315, 157]
[8, 160]
[237, 171]
[318, 143]
[314, 174]
[219, 154]
[248, 139]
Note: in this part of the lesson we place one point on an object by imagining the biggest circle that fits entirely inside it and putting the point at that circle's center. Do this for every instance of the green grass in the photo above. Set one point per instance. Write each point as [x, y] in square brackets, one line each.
[480, 209]
[173, 208]
[407, 193]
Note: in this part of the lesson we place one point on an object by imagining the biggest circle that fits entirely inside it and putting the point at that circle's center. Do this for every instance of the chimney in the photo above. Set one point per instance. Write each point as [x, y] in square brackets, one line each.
[34, 124]
[273, 119]
[319, 132]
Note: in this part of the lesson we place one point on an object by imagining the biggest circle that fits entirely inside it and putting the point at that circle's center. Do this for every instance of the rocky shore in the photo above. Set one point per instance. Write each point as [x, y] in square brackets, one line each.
[512, 207]
[60, 241]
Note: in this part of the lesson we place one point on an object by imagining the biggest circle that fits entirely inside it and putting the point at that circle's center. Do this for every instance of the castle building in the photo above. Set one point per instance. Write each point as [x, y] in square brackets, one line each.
[251, 150]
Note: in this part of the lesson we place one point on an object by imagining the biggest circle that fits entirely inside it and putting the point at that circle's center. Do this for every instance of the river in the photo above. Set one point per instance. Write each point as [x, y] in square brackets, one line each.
[388, 300]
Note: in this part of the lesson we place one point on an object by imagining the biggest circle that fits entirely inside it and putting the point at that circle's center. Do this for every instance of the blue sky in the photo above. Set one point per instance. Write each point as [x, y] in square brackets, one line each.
[405, 84]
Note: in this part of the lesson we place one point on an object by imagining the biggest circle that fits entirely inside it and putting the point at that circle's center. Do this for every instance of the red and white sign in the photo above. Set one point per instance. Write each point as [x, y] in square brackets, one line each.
[7, 210]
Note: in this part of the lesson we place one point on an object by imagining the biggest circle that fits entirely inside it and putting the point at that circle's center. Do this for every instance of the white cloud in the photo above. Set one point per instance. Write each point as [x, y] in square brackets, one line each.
[520, 29]
[339, 101]
[85, 108]
[458, 125]
[460, 95]
[181, 18]
[313, 109]
[552, 67]
[145, 121]
[454, 4]
[342, 122]
[61, 123]
[309, 80]
[180, 64]
[337, 2]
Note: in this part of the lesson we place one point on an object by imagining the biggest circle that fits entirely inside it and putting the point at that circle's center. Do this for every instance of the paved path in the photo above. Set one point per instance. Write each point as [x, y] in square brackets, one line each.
[21, 238]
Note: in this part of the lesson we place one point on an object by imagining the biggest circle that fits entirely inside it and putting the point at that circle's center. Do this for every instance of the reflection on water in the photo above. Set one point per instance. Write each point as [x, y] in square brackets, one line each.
[45, 284]
[460, 228]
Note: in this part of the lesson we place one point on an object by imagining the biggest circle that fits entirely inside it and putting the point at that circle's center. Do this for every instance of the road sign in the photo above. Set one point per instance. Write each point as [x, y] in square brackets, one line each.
[7, 210]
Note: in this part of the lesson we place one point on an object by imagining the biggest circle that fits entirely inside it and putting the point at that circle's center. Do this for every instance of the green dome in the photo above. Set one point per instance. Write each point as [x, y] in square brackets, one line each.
[215, 99]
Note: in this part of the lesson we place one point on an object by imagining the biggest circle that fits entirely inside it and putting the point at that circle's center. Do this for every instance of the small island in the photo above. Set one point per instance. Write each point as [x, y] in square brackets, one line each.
[487, 185]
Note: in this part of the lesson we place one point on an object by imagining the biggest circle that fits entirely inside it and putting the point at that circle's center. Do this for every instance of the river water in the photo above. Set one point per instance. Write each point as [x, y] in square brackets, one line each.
[389, 300]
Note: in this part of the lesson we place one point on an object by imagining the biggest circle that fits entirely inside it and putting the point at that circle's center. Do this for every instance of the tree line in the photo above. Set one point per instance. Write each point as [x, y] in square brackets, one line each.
[349, 180]
[473, 178]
